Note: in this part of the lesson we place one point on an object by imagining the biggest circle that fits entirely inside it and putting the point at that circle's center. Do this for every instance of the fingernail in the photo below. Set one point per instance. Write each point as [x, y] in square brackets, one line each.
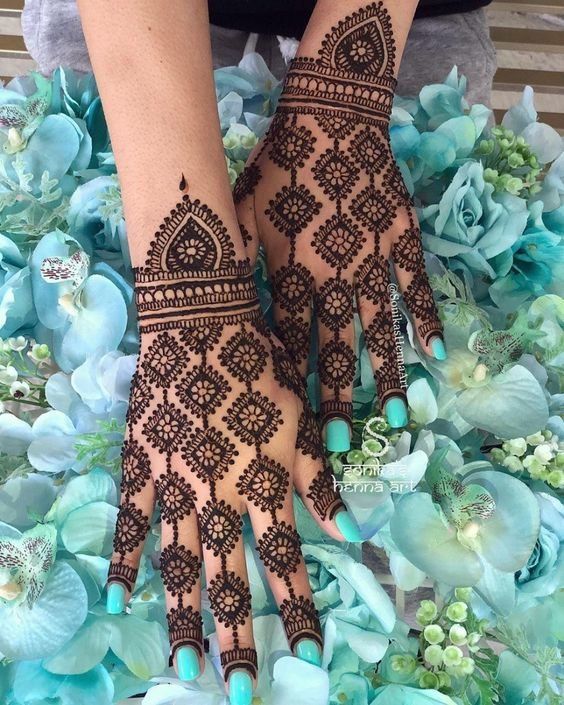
[240, 688]
[348, 527]
[115, 602]
[187, 663]
[396, 412]
[438, 349]
[337, 436]
[308, 650]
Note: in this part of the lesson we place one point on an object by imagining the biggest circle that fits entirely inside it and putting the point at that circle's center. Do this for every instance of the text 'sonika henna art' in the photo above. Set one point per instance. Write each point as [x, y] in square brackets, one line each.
[212, 392]
[332, 210]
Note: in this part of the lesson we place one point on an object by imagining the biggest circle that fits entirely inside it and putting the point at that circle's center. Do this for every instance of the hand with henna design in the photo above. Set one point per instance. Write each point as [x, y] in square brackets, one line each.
[325, 196]
[218, 426]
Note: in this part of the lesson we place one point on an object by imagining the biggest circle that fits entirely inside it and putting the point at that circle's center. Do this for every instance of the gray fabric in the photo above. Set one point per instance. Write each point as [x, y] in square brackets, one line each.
[54, 37]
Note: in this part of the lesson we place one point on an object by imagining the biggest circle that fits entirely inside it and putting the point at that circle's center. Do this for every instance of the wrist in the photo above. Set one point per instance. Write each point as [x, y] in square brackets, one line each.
[192, 274]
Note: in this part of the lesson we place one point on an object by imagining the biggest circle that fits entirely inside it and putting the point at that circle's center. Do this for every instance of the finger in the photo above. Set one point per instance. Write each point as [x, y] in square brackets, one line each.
[336, 361]
[136, 507]
[266, 485]
[292, 289]
[409, 265]
[379, 316]
[180, 564]
[229, 594]
[317, 486]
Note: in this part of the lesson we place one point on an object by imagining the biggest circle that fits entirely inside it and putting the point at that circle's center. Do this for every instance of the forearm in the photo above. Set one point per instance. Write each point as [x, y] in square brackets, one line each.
[328, 13]
[153, 66]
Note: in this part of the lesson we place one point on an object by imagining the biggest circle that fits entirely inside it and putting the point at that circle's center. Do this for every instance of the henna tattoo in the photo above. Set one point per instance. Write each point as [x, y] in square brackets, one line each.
[207, 389]
[338, 206]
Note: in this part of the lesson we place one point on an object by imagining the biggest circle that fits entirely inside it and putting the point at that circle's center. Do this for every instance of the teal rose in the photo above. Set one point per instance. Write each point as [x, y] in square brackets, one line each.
[472, 229]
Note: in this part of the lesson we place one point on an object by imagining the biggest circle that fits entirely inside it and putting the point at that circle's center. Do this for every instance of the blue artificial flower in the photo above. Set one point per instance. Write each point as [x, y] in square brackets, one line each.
[73, 305]
[16, 301]
[462, 525]
[543, 573]
[470, 228]
[538, 261]
[95, 219]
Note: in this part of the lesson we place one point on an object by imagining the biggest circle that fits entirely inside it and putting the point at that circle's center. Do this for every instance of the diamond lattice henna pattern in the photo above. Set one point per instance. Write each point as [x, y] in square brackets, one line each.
[407, 252]
[131, 528]
[163, 361]
[295, 333]
[209, 454]
[373, 209]
[335, 173]
[338, 241]
[166, 428]
[180, 569]
[265, 484]
[253, 418]
[309, 439]
[292, 209]
[380, 337]
[220, 527]
[336, 364]
[291, 146]
[374, 278]
[334, 304]
[419, 297]
[293, 286]
[203, 390]
[136, 467]
[176, 497]
[230, 599]
[139, 399]
[279, 549]
[285, 370]
[244, 357]
[370, 150]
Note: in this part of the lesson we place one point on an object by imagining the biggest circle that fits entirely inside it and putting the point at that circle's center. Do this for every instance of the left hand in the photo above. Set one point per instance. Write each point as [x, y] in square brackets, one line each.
[326, 198]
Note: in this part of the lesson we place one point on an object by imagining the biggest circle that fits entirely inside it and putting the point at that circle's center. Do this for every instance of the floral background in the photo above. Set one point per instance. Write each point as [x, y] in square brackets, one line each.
[469, 496]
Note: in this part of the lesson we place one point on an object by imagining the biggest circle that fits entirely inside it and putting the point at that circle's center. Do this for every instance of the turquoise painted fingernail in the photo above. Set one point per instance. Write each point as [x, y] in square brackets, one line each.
[115, 602]
[337, 435]
[396, 412]
[438, 349]
[308, 650]
[348, 527]
[187, 663]
[240, 688]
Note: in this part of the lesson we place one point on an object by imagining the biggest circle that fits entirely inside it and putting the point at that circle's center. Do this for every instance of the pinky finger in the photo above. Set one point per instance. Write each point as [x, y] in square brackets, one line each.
[136, 507]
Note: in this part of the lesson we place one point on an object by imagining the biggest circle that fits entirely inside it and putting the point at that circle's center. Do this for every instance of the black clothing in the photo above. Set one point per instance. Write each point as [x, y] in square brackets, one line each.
[289, 18]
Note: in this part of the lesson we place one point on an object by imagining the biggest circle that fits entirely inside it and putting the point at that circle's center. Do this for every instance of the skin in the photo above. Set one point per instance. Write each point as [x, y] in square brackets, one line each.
[153, 66]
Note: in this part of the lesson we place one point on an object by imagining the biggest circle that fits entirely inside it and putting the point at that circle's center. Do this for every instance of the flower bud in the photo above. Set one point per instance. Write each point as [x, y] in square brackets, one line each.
[543, 453]
[403, 663]
[427, 612]
[466, 666]
[434, 633]
[464, 594]
[457, 634]
[427, 679]
[516, 446]
[8, 374]
[17, 344]
[457, 611]
[512, 463]
[452, 656]
[434, 655]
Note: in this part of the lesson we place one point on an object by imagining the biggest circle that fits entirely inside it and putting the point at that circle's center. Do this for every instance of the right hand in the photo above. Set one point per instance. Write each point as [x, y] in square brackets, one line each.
[218, 425]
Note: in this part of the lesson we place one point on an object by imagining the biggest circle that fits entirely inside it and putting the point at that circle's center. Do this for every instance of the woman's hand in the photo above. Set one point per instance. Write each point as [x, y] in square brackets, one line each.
[218, 426]
[327, 200]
